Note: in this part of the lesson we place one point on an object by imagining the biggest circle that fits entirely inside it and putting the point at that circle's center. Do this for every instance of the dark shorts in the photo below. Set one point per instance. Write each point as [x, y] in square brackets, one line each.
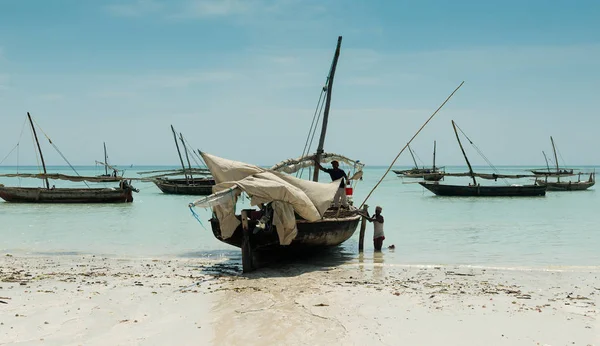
[378, 243]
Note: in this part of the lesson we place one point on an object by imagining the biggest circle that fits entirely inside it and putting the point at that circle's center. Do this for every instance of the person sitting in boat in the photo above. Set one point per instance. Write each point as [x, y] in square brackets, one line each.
[336, 173]
[378, 235]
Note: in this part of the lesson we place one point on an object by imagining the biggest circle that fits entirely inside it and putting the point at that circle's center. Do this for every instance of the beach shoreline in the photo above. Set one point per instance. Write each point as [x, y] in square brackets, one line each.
[94, 300]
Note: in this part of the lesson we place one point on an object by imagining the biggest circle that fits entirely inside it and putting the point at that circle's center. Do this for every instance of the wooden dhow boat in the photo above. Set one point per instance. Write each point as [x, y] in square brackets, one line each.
[50, 194]
[565, 185]
[476, 190]
[294, 213]
[109, 177]
[189, 185]
[428, 174]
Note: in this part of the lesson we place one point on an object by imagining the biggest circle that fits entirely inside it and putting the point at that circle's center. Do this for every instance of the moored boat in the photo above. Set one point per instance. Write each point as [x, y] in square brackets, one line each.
[293, 213]
[50, 194]
[476, 190]
[564, 185]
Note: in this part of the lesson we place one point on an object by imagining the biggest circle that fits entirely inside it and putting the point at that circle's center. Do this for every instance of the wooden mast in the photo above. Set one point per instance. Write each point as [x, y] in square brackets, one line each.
[105, 160]
[465, 155]
[179, 153]
[433, 157]
[546, 158]
[326, 112]
[556, 160]
[186, 155]
[413, 156]
[39, 149]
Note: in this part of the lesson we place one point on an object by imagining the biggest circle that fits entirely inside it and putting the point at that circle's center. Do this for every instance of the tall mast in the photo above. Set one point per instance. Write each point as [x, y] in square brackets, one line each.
[179, 153]
[464, 154]
[186, 155]
[433, 157]
[326, 112]
[413, 156]
[546, 158]
[105, 160]
[555, 159]
[39, 149]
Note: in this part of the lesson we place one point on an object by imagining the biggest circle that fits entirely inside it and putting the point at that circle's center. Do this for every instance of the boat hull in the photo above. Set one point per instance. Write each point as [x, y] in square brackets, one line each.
[485, 191]
[566, 186]
[65, 195]
[199, 187]
[311, 235]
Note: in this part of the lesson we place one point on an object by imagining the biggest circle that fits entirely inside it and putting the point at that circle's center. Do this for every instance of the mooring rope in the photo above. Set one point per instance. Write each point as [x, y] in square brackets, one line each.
[407, 144]
[196, 216]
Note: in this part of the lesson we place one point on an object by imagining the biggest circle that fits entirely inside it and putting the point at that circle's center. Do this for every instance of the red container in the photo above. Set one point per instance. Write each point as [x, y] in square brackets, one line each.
[349, 191]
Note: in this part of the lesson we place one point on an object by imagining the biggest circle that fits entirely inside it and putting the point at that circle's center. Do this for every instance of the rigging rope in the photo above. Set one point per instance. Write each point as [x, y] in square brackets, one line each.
[418, 158]
[313, 128]
[407, 144]
[10, 152]
[60, 153]
[481, 154]
[317, 116]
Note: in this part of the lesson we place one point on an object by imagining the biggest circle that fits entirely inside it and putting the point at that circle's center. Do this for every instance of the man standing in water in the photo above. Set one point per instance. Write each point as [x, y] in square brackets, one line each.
[336, 173]
[378, 235]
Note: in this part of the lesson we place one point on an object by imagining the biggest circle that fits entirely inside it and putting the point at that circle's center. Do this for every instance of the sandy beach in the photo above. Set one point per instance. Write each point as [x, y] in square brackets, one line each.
[91, 300]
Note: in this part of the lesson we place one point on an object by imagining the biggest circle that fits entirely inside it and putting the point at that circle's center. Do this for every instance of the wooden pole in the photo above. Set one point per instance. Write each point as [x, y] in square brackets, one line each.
[413, 157]
[546, 158]
[179, 153]
[556, 160]
[464, 154]
[433, 157]
[39, 149]
[186, 155]
[105, 160]
[326, 112]
[407, 144]
[246, 245]
[363, 227]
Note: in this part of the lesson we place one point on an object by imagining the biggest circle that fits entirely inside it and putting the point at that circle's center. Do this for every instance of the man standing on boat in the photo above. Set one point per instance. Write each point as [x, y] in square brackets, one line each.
[336, 173]
[378, 235]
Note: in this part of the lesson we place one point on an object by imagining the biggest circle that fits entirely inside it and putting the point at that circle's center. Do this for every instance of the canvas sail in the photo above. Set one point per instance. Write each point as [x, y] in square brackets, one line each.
[288, 195]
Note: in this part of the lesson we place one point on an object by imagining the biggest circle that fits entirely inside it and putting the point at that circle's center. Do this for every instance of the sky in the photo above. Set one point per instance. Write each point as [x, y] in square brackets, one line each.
[241, 78]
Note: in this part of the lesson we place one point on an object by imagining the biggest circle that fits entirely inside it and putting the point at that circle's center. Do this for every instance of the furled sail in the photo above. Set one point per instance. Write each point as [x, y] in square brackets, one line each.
[58, 176]
[293, 165]
[288, 195]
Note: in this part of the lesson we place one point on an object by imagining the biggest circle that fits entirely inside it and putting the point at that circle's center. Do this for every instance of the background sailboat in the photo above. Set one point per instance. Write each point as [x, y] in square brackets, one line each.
[476, 190]
[50, 194]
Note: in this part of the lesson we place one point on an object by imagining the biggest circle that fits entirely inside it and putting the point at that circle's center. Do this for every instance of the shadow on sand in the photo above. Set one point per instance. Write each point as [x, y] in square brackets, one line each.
[274, 264]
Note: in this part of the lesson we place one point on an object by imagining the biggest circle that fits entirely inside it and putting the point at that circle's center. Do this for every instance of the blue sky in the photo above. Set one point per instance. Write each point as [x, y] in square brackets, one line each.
[241, 78]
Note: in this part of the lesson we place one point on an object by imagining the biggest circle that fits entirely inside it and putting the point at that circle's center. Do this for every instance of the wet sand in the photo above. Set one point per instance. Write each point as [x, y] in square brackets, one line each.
[90, 300]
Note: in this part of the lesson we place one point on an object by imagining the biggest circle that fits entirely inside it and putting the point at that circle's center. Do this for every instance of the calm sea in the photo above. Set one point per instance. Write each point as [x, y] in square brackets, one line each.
[561, 229]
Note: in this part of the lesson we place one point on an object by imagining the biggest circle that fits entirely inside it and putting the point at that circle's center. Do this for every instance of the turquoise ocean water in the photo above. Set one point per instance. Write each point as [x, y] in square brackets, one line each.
[561, 229]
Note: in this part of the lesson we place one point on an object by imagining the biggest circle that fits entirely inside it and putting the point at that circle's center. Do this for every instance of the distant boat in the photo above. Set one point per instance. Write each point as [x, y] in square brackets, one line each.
[476, 190]
[427, 174]
[109, 177]
[565, 185]
[50, 194]
[551, 173]
[190, 184]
